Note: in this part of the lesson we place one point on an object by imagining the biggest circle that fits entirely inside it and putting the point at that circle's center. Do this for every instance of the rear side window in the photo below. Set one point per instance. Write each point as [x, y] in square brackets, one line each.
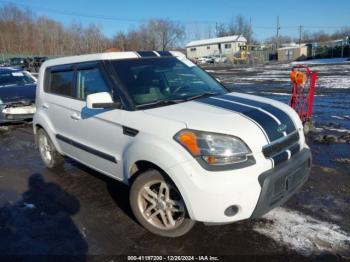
[62, 83]
[90, 81]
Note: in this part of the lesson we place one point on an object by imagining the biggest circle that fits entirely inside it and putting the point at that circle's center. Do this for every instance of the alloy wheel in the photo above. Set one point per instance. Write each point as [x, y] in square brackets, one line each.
[161, 205]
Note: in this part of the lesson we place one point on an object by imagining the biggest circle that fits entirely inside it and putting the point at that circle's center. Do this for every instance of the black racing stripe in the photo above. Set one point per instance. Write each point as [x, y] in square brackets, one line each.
[164, 53]
[279, 158]
[147, 54]
[264, 120]
[294, 149]
[87, 148]
[279, 114]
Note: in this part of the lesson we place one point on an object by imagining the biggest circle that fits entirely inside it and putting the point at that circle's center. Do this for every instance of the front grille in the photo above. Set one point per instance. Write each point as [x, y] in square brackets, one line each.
[289, 182]
[295, 179]
[280, 183]
[280, 145]
[279, 186]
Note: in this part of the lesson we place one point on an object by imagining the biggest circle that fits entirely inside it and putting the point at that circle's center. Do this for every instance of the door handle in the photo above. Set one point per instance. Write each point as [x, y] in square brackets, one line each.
[75, 116]
[45, 106]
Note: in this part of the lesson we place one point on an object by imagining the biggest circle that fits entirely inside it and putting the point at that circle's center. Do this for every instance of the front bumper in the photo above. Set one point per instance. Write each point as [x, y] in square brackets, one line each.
[17, 113]
[252, 191]
[281, 182]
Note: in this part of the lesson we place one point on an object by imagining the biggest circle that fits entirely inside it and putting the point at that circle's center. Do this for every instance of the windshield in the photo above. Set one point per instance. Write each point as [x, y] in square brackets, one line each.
[151, 80]
[14, 78]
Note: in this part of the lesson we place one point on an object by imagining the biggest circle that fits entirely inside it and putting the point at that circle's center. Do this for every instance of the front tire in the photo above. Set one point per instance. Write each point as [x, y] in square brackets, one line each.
[48, 152]
[158, 205]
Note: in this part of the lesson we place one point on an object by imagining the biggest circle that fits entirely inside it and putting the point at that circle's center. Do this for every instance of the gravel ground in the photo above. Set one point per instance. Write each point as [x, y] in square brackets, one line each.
[77, 211]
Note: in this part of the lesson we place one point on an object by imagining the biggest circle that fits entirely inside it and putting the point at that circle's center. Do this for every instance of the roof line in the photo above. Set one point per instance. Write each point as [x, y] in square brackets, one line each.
[224, 39]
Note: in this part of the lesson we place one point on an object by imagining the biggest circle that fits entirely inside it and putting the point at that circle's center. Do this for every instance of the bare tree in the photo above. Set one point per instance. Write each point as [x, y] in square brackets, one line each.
[281, 39]
[221, 30]
[237, 26]
[243, 27]
[342, 33]
[155, 34]
[120, 41]
[22, 32]
[164, 33]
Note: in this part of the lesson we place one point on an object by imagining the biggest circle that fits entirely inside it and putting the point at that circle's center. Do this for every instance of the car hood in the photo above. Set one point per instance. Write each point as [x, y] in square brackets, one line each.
[257, 121]
[12, 94]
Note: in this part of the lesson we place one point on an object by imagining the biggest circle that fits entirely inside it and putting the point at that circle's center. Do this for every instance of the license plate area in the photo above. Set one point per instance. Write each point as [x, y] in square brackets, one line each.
[289, 182]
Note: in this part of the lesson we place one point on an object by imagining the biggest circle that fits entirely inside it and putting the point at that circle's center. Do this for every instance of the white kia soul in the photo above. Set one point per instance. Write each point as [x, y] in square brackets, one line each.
[189, 149]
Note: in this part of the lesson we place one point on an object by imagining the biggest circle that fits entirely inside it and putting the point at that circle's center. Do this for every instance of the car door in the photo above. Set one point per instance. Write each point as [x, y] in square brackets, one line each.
[97, 133]
[59, 98]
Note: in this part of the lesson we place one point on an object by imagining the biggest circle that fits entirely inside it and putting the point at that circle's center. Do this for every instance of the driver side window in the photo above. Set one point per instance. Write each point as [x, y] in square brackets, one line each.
[90, 81]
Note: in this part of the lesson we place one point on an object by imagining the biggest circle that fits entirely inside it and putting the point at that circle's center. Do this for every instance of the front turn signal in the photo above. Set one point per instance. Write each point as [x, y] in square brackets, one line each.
[189, 140]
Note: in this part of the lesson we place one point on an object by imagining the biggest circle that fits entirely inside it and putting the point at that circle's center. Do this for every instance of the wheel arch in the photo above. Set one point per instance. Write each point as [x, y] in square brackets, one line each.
[140, 166]
[47, 127]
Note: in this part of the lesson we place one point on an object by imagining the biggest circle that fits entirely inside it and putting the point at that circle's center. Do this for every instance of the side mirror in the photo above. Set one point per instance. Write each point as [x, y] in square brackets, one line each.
[101, 100]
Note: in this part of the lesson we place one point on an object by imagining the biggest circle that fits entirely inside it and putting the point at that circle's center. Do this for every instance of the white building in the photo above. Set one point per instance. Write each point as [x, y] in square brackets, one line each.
[226, 46]
[291, 52]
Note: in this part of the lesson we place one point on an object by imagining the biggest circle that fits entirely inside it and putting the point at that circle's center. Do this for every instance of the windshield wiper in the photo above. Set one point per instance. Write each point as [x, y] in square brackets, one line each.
[175, 101]
[160, 103]
[206, 94]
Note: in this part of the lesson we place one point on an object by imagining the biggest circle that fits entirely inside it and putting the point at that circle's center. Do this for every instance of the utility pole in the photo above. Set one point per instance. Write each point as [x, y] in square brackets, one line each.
[300, 31]
[250, 30]
[277, 32]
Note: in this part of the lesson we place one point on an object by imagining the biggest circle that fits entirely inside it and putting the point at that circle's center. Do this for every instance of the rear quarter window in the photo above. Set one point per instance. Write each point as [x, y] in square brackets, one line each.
[61, 83]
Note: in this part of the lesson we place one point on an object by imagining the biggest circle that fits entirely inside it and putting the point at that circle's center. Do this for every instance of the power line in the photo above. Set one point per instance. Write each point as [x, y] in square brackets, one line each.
[101, 17]
[70, 13]
[126, 19]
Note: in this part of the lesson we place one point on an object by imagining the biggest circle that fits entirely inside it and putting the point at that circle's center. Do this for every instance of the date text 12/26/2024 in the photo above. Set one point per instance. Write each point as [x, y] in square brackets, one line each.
[173, 258]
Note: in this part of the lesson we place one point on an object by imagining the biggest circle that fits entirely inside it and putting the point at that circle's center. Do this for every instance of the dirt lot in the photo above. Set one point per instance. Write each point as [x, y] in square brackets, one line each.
[77, 211]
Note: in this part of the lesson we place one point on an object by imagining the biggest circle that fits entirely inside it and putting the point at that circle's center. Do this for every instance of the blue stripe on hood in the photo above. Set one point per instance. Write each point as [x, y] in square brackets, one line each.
[265, 121]
[278, 113]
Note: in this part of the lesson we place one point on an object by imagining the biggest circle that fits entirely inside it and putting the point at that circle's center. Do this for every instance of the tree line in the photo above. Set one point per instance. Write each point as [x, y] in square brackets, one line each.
[22, 32]
[312, 37]
[241, 26]
[236, 26]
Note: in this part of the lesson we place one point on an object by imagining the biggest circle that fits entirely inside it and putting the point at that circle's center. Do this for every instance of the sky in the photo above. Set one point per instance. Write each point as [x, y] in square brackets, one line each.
[198, 16]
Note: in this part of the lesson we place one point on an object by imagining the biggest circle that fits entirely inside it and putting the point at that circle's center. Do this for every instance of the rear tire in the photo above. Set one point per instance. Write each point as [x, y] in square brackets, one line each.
[158, 205]
[48, 152]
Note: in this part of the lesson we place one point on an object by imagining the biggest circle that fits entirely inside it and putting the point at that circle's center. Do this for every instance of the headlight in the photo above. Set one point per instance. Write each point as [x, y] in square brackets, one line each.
[213, 148]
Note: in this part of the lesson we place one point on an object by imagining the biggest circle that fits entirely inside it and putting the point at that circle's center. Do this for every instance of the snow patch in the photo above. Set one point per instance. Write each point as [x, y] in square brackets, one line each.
[28, 205]
[338, 117]
[281, 94]
[334, 81]
[266, 78]
[304, 234]
[341, 130]
[321, 61]
[275, 93]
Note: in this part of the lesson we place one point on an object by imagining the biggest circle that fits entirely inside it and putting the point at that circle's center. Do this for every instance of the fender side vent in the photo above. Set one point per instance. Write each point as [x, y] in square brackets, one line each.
[130, 131]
